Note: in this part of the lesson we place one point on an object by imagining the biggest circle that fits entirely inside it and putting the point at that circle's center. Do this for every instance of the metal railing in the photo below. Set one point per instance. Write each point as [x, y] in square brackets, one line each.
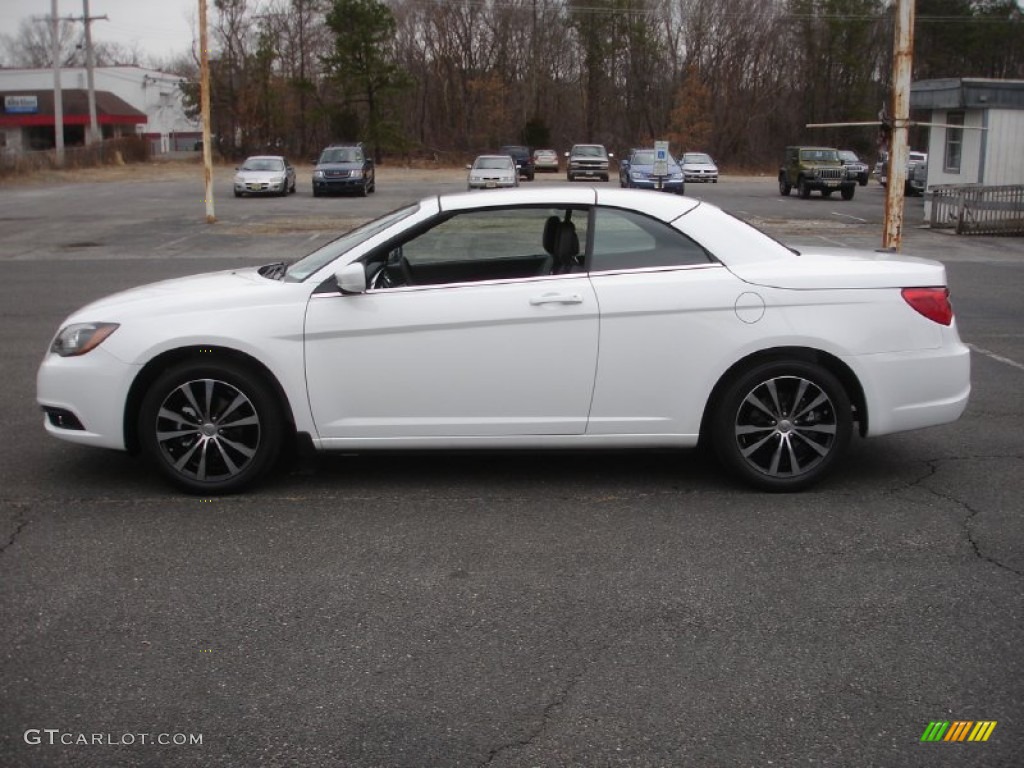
[974, 209]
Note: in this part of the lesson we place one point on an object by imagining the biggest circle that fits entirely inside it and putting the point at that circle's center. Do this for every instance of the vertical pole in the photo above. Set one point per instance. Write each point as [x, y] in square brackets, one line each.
[58, 96]
[204, 89]
[899, 151]
[94, 131]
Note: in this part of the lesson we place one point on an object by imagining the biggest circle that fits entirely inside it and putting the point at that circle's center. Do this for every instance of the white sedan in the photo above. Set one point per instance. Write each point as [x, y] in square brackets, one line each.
[265, 175]
[492, 171]
[557, 317]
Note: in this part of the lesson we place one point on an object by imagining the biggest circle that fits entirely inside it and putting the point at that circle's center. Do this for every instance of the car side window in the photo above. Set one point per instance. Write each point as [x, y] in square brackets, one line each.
[628, 240]
[485, 244]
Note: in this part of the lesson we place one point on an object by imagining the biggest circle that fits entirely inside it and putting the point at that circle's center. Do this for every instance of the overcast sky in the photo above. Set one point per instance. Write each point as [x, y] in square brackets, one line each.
[160, 28]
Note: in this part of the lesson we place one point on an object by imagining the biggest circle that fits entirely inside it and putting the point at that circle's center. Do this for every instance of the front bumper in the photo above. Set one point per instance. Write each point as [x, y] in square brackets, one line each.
[260, 187]
[700, 176]
[94, 389]
[667, 185]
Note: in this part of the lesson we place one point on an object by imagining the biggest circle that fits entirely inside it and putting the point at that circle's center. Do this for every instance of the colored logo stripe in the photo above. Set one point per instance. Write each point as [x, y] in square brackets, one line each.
[958, 730]
[935, 730]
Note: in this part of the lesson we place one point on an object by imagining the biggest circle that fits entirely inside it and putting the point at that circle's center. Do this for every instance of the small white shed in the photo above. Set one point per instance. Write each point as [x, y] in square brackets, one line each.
[994, 155]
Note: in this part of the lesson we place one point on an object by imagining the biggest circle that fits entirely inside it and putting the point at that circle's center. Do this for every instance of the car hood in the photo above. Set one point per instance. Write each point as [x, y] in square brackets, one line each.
[843, 268]
[647, 168]
[227, 289]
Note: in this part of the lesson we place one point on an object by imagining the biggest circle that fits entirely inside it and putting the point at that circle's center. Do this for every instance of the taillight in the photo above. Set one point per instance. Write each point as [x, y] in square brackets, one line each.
[933, 303]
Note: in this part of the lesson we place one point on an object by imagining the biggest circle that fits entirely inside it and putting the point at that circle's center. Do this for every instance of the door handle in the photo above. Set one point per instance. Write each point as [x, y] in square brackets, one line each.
[556, 298]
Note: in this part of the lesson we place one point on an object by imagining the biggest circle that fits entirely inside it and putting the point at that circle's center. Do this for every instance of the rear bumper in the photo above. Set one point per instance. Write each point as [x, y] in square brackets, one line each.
[912, 390]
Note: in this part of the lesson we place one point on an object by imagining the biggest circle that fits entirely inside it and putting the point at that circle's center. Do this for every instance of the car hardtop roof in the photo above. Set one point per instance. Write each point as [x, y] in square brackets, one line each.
[664, 207]
[264, 157]
[492, 157]
[810, 146]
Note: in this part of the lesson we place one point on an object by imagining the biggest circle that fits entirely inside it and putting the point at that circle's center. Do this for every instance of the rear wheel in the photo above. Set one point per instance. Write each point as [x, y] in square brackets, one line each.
[211, 427]
[782, 425]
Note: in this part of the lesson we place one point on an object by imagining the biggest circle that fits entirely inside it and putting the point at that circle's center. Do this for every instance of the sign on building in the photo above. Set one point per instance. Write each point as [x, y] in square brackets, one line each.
[21, 105]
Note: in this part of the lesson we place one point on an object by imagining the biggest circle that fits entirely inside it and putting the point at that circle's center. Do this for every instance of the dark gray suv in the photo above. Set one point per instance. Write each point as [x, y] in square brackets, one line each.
[344, 168]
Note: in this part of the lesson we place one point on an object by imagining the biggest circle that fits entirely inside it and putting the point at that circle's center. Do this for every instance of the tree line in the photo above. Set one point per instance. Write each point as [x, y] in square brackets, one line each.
[449, 78]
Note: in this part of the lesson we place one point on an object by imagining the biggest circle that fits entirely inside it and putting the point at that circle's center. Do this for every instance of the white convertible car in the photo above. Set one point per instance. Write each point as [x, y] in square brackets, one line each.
[562, 317]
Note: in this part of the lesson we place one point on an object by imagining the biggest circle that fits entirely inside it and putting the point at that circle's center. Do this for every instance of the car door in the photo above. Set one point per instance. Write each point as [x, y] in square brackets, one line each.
[668, 312]
[470, 349]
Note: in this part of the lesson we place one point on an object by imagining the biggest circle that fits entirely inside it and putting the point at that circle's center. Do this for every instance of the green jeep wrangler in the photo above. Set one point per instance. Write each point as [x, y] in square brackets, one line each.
[810, 168]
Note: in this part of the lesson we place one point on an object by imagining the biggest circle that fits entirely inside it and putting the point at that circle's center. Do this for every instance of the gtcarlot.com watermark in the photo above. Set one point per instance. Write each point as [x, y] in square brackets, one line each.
[55, 737]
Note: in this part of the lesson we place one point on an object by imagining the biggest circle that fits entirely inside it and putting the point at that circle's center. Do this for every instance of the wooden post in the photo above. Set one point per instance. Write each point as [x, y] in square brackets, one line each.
[204, 88]
[899, 151]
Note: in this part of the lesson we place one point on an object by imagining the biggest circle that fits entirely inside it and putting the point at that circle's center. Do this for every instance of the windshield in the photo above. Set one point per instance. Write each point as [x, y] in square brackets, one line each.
[697, 157]
[643, 158]
[307, 265]
[493, 162]
[819, 156]
[849, 156]
[263, 164]
[588, 151]
[342, 155]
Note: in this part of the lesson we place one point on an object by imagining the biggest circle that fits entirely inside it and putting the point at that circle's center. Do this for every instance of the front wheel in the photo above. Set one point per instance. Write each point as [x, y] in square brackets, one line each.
[211, 427]
[805, 189]
[781, 426]
[784, 186]
[847, 192]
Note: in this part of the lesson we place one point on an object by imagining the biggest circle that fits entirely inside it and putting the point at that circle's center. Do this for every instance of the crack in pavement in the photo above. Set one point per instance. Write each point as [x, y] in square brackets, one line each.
[20, 524]
[934, 465]
[550, 708]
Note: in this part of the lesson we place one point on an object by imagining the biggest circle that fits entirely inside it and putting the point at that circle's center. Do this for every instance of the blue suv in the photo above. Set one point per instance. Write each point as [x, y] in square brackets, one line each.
[344, 168]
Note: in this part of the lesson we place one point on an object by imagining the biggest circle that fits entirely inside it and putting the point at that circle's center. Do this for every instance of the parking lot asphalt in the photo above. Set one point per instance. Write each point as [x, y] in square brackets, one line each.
[605, 609]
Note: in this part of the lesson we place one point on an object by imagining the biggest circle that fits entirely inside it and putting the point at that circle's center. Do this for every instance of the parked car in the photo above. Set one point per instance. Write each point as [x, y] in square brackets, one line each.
[698, 166]
[492, 171]
[344, 168]
[855, 167]
[264, 175]
[545, 160]
[637, 172]
[815, 168]
[523, 158]
[915, 182]
[591, 318]
[588, 161]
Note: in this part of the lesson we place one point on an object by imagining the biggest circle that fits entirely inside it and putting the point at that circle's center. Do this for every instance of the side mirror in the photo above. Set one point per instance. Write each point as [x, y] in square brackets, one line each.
[351, 278]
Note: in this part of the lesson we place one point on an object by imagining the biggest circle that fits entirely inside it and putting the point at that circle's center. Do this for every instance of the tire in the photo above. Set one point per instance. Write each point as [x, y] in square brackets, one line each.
[316, 192]
[605, 178]
[364, 189]
[784, 186]
[211, 427]
[782, 425]
[568, 177]
[804, 189]
[847, 192]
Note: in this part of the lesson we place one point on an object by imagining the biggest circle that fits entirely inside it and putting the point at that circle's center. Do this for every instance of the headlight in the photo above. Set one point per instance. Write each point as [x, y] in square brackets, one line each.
[356, 174]
[318, 174]
[239, 180]
[636, 175]
[77, 339]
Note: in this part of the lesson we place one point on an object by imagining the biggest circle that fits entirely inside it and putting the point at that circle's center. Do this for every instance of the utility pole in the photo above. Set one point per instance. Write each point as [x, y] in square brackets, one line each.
[58, 96]
[899, 150]
[94, 130]
[204, 100]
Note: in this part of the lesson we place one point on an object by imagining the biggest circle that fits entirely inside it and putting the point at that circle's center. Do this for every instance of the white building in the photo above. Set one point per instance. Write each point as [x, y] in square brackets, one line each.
[155, 94]
[989, 147]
